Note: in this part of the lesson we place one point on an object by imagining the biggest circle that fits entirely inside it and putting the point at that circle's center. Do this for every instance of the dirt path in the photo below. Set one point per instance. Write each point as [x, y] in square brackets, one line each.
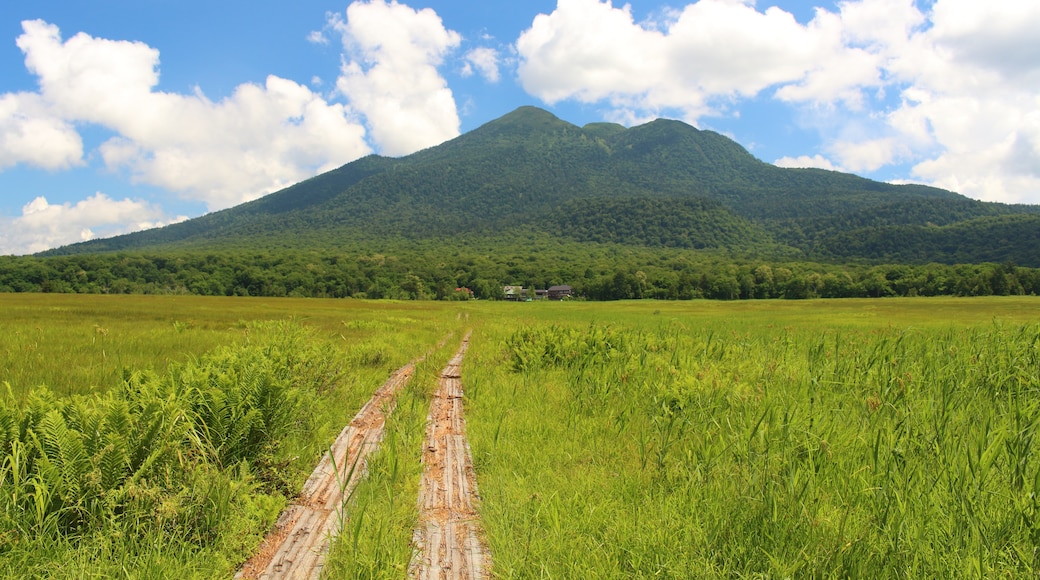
[448, 540]
[297, 545]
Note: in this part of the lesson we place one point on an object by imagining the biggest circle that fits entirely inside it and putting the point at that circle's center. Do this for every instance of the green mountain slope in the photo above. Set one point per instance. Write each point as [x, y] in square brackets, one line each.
[662, 184]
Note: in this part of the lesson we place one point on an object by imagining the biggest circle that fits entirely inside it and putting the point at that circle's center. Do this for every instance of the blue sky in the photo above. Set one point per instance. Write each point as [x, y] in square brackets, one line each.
[117, 115]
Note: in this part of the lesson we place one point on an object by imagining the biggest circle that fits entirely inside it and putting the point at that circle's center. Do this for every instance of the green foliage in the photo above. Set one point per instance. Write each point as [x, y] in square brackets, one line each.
[871, 438]
[655, 222]
[743, 443]
[432, 270]
[171, 456]
[664, 183]
[1009, 238]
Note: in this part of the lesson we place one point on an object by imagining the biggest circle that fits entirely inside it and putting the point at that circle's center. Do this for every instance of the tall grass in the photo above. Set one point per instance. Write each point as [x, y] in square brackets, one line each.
[183, 460]
[181, 470]
[883, 438]
[666, 447]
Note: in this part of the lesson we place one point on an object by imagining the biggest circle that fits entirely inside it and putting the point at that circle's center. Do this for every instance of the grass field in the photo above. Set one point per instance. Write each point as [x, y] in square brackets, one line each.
[850, 438]
[833, 439]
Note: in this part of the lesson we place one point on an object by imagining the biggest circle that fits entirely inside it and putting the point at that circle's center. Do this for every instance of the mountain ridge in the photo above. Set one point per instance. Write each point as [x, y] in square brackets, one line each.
[690, 188]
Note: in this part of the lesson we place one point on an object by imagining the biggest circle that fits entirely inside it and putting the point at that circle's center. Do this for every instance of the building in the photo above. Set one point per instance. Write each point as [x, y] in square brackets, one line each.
[559, 292]
[514, 293]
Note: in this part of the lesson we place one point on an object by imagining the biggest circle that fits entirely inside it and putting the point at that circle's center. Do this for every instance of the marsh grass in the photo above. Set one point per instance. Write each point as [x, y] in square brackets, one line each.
[860, 438]
[78, 344]
[701, 446]
[180, 470]
[180, 459]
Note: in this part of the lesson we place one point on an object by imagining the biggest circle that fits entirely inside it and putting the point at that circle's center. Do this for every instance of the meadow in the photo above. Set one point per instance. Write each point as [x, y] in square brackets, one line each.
[845, 438]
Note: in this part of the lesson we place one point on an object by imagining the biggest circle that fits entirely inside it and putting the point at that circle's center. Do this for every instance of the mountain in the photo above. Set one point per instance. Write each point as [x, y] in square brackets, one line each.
[662, 184]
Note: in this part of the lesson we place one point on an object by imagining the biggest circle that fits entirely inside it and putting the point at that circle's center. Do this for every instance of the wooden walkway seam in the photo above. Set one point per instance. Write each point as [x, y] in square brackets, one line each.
[297, 545]
[447, 540]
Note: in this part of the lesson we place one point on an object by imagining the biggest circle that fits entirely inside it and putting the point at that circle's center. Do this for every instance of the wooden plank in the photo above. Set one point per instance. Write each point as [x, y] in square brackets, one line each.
[447, 541]
[301, 537]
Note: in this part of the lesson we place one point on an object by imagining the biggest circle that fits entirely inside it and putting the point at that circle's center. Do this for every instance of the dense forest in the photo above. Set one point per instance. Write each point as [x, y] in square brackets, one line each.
[471, 270]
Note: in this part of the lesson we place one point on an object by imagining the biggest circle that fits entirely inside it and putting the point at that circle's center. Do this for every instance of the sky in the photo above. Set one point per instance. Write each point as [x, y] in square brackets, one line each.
[120, 115]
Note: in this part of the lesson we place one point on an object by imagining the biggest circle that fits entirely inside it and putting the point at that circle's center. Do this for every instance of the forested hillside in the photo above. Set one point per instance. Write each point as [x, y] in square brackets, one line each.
[664, 184]
[658, 210]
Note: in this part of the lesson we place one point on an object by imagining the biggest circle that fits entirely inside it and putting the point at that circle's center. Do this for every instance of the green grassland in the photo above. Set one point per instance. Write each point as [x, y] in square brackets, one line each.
[79, 343]
[177, 428]
[851, 438]
[825, 439]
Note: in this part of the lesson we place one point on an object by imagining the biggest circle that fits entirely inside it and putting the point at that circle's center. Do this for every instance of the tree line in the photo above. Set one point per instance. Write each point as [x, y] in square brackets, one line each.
[438, 273]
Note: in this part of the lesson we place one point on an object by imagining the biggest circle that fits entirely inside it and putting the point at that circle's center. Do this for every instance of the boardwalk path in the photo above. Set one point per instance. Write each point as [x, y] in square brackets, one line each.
[297, 546]
[447, 541]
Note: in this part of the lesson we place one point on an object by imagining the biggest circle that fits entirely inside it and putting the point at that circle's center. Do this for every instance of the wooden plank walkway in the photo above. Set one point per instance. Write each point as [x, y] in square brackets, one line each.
[448, 539]
[301, 537]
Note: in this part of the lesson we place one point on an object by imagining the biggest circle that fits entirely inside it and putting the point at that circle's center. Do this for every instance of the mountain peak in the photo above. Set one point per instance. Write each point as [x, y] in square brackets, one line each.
[529, 114]
[523, 121]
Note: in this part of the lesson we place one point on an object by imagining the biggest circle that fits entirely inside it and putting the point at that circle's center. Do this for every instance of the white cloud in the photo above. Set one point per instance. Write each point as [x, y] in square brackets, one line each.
[996, 36]
[879, 23]
[951, 92]
[590, 51]
[701, 58]
[390, 75]
[972, 83]
[256, 141]
[32, 135]
[727, 48]
[709, 53]
[259, 139]
[968, 74]
[868, 155]
[43, 225]
[317, 37]
[806, 162]
[485, 60]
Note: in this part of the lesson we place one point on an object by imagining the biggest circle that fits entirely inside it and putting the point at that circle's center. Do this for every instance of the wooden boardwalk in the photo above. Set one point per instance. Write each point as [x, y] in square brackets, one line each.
[297, 545]
[448, 539]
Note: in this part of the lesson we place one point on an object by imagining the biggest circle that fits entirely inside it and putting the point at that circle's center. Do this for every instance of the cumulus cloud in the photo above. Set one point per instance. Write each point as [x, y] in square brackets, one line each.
[44, 225]
[967, 74]
[870, 154]
[390, 76]
[951, 91]
[699, 59]
[807, 162]
[485, 61]
[995, 36]
[590, 51]
[706, 54]
[976, 89]
[31, 134]
[258, 140]
[262, 137]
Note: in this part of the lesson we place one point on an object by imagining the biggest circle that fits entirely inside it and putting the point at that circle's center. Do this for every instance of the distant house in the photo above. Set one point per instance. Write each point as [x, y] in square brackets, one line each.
[559, 292]
[541, 294]
[513, 293]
